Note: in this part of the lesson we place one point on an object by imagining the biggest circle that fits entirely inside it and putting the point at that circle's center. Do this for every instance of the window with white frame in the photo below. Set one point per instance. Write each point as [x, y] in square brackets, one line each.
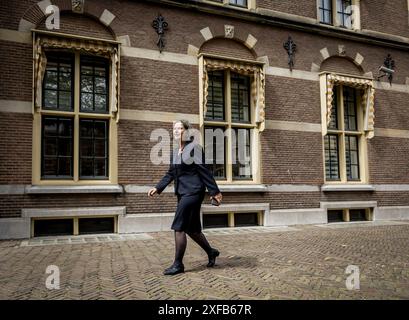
[347, 123]
[247, 4]
[341, 13]
[231, 119]
[343, 138]
[75, 112]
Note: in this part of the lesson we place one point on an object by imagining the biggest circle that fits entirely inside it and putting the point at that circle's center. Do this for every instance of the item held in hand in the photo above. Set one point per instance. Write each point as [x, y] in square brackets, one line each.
[214, 202]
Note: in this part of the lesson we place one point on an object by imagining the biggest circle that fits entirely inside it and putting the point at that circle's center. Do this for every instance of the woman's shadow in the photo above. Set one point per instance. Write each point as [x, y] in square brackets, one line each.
[227, 262]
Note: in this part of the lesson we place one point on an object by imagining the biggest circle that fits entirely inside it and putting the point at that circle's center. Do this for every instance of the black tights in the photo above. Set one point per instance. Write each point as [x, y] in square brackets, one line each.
[181, 241]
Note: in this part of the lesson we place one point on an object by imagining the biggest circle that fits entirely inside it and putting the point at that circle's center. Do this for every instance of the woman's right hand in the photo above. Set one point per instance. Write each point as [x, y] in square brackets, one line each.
[152, 192]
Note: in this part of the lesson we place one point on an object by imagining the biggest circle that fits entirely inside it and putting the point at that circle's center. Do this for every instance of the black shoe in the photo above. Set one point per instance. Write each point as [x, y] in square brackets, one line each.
[212, 257]
[174, 269]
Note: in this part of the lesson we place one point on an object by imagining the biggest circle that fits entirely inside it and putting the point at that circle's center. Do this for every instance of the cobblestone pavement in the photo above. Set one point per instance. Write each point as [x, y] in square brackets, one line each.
[301, 262]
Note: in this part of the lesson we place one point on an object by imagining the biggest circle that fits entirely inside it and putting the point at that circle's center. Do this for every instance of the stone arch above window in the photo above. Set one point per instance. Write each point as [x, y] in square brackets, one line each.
[81, 25]
[227, 48]
[35, 15]
[341, 65]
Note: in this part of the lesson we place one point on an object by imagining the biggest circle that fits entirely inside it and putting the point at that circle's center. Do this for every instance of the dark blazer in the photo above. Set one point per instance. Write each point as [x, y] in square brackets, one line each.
[189, 172]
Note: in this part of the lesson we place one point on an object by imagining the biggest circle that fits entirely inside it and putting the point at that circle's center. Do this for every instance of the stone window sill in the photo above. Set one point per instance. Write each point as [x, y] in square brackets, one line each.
[53, 189]
[242, 188]
[347, 187]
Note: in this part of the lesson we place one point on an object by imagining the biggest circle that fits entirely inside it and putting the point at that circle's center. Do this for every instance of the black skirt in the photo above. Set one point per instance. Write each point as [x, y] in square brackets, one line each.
[187, 216]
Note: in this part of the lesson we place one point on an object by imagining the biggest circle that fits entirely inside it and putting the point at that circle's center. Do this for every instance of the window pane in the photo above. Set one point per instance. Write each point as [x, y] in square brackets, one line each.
[325, 10]
[64, 147]
[100, 85]
[100, 102]
[94, 84]
[65, 100]
[100, 148]
[87, 84]
[344, 13]
[87, 70]
[242, 3]
[350, 109]
[334, 112]
[328, 17]
[215, 151]
[50, 127]
[327, 4]
[57, 147]
[215, 98]
[100, 167]
[57, 83]
[352, 157]
[50, 80]
[65, 81]
[86, 129]
[50, 166]
[331, 157]
[240, 98]
[50, 146]
[100, 71]
[86, 101]
[93, 150]
[65, 127]
[64, 166]
[241, 154]
[86, 167]
[87, 148]
[50, 99]
[100, 129]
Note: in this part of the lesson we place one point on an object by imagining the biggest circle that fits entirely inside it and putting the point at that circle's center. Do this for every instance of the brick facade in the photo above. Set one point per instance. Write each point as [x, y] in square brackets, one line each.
[148, 83]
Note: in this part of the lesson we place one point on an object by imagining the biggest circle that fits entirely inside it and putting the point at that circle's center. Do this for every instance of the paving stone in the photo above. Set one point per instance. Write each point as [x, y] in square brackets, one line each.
[255, 263]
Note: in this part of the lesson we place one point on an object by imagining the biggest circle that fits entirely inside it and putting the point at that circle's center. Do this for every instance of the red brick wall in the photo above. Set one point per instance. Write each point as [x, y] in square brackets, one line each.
[288, 158]
[390, 110]
[226, 47]
[12, 12]
[81, 25]
[16, 71]
[395, 198]
[283, 104]
[301, 8]
[385, 16]
[159, 86]
[15, 148]
[340, 64]
[388, 160]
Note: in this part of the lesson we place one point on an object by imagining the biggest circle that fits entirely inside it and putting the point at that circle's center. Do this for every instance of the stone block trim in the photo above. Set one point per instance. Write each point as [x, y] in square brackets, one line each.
[107, 17]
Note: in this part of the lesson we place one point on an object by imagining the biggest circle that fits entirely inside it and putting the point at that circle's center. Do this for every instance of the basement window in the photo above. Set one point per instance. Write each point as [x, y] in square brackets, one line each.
[96, 225]
[64, 226]
[335, 216]
[53, 227]
[215, 220]
[349, 215]
[232, 219]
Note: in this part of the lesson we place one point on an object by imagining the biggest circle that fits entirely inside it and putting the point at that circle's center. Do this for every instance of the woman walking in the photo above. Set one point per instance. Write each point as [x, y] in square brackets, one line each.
[191, 177]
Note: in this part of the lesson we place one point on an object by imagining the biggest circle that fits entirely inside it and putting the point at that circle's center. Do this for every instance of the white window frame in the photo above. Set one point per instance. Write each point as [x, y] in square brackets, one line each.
[254, 126]
[112, 116]
[251, 4]
[356, 15]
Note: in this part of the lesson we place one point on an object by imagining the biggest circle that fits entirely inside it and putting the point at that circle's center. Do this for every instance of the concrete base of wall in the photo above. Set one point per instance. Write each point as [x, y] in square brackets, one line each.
[391, 213]
[19, 228]
[290, 217]
[133, 223]
[14, 228]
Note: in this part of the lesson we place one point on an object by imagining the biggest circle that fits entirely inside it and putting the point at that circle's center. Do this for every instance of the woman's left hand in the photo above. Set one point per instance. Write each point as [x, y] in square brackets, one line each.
[218, 197]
